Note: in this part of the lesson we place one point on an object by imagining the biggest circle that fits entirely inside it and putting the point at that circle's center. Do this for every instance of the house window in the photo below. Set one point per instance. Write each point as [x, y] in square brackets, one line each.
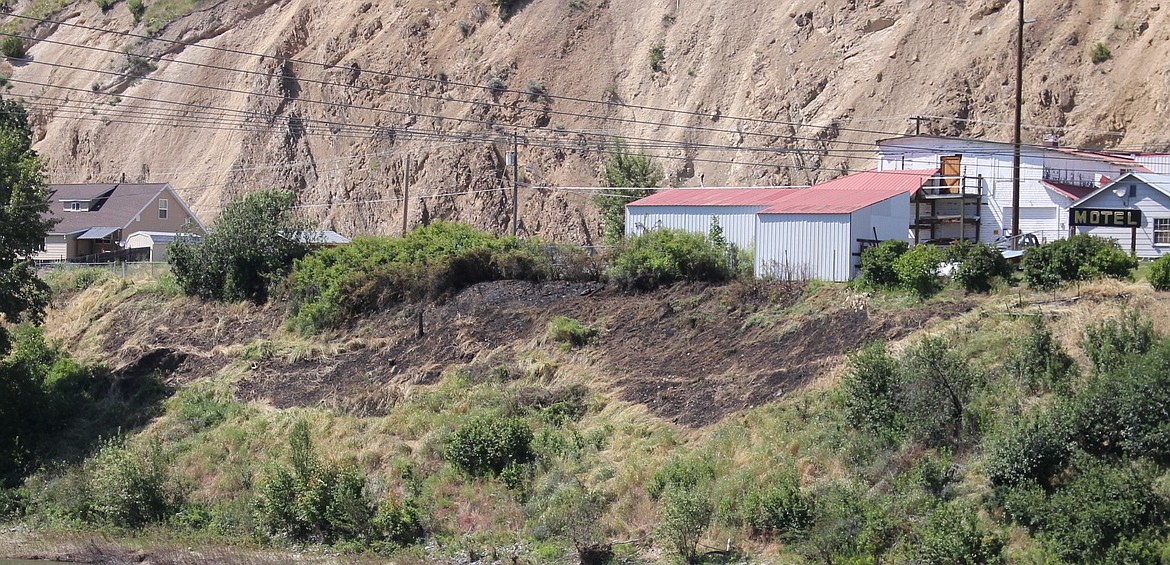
[1161, 231]
[162, 208]
[75, 206]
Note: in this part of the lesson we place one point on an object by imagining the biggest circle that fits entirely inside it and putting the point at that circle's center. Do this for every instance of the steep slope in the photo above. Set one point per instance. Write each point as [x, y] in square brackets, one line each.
[747, 94]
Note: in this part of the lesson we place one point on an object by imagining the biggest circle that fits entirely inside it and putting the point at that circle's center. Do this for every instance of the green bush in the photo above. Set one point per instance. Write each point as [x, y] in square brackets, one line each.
[248, 252]
[664, 256]
[636, 175]
[332, 286]
[1160, 273]
[657, 56]
[868, 389]
[1098, 507]
[105, 5]
[1111, 342]
[935, 389]
[918, 269]
[13, 47]
[132, 488]
[487, 445]
[1099, 53]
[399, 524]
[566, 509]
[877, 263]
[953, 533]
[1079, 258]
[684, 473]
[1033, 448]
[570, 332]
[137, 9]
[683, 516]
[850, 525]
[1039, 361]
[778, 509]
[977, 266]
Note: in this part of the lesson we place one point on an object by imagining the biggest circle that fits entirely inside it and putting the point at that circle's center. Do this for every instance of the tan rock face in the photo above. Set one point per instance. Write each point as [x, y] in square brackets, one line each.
[330, 98]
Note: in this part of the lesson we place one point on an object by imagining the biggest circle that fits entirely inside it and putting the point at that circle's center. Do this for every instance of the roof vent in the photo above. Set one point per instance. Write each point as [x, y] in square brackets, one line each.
[1052, 140]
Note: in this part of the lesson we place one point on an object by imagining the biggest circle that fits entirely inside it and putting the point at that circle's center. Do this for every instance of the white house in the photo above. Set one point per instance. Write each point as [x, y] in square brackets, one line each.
[1051, 180]
[1134, 210]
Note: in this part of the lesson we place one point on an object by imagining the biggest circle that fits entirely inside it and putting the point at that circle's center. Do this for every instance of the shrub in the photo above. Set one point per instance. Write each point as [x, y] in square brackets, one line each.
[132, 488]
[1029, 448]
[1039, 361]
[1160, 273]
[399, 524]
[570, 332]
[251, 248]
[1098, 507]
[849, 525]
[683, 516]
[1099, 53]
[137, 9]
[953, 533]
[13, 47]
[1111, 342]
[570, 511]
[869, 387]
[1078, 258]
[496, 85]
[664, 256]
[777, 509]
[487, 445]
[624, 169]
[935, 387]
[977, 266]
[877, 263]
[657, 55]
[686, 474]
[536, 90]
[105, 5]
[918, 269]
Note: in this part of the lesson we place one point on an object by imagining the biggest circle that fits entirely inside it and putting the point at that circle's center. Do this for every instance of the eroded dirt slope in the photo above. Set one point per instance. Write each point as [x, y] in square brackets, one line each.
[691, 354]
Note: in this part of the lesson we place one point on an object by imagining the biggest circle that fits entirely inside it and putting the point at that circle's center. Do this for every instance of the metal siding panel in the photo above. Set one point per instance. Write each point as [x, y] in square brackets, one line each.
[738, 222]
[803, 246]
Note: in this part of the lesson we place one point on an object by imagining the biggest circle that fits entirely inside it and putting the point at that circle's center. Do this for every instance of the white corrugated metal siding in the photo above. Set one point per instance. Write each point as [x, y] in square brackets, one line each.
[738, 222]
[803, 246]
[887, 219]
[1158, 162]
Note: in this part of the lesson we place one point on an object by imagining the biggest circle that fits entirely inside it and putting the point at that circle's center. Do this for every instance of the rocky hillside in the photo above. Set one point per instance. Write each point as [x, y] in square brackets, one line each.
[329, 98]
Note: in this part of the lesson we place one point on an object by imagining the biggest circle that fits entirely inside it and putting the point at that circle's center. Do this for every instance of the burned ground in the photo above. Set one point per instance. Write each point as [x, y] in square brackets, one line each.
[691, 354]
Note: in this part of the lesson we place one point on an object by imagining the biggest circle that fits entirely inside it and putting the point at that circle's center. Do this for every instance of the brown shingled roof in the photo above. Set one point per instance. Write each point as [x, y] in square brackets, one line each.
[125, 201]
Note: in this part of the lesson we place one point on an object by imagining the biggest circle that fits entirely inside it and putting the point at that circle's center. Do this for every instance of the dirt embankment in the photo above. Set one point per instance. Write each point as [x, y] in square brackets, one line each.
[691, 354]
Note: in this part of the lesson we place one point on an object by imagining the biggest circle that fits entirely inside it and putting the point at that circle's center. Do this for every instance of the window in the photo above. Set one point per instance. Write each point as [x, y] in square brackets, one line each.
[1162, 231]
[75, 206]
[162, 208]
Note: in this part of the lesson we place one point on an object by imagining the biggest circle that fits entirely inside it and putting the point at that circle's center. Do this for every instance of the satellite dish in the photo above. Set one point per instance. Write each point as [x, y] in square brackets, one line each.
[1120, 191]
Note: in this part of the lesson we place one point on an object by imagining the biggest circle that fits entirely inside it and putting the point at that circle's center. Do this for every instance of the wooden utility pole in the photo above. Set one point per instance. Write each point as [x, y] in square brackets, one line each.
[405, 192]
[515, 182]
[1019, 118]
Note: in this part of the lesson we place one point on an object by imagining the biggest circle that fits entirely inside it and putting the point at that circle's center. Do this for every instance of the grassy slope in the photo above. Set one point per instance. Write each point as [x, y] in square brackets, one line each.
[220, 444]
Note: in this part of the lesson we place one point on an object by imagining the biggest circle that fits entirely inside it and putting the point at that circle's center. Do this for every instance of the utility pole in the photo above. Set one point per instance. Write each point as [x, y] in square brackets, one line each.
[1016, 138]
[515, 158]
[917, 124]
[405, 192]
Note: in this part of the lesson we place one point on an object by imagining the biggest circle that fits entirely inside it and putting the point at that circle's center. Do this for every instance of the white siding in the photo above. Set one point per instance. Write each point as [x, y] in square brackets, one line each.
[1156, 162]
[56, 251]
[993, 162]
[888, 219]
[804, 246]
[1045, 222]
[1152, 202]
[738, 222]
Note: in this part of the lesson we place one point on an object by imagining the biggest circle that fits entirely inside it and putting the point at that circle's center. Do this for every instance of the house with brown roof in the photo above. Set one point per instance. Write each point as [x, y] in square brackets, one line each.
[96, 220]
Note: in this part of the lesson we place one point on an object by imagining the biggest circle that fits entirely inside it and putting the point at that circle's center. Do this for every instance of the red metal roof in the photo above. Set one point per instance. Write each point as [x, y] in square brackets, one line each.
[821, 200]
[905, 181]
[1073, 191]
[714, 197]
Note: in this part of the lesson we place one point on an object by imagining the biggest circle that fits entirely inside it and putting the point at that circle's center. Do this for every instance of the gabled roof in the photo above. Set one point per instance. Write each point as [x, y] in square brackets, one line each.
[713, 197]
[1074, 191]
[908, 180]
[819, 200]
[123, 203]
[1158, 182]
[1121, 159]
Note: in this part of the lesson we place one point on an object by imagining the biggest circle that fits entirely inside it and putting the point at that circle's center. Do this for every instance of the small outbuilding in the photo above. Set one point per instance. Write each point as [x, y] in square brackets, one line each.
[695, 209]
[819, 234]
[1134, 210]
